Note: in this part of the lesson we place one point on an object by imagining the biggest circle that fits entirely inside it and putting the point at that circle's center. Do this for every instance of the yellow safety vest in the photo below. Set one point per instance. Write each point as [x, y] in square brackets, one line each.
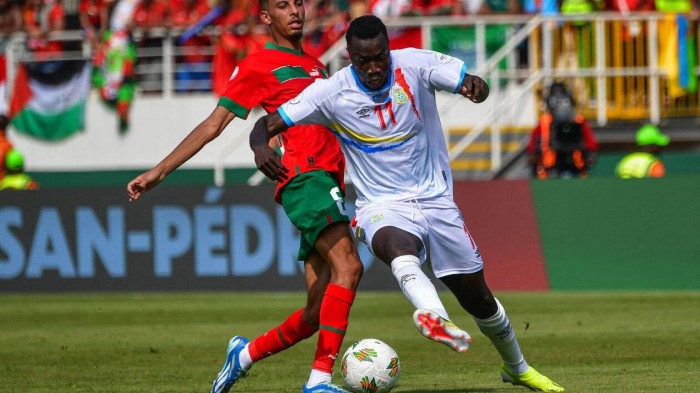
[15, 181]
[637, 165]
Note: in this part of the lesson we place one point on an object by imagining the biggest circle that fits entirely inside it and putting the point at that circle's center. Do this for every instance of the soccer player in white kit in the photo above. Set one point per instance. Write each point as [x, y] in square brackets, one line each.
[383, 111]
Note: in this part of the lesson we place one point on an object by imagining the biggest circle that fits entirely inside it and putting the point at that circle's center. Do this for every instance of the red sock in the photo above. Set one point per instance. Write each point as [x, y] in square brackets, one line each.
[335, 310]
[281, 337]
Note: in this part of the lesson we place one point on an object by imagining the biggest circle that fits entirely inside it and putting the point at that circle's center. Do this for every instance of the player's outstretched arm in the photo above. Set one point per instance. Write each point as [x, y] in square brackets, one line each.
[266, 159]
[205, 132]
[474, 88]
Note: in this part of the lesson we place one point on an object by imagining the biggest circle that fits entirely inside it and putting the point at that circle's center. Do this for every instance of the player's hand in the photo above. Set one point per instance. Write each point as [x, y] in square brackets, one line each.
[142, 183]
[270, 163]
[474, 88]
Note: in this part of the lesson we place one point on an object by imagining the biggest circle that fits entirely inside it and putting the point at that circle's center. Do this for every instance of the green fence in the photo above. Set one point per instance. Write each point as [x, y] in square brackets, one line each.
[620, 234]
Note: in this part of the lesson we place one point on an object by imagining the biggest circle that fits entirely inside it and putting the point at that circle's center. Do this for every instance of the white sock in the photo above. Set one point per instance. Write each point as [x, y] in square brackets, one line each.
[499, 330]
[416, 285]
[244, 358]
[317, 377]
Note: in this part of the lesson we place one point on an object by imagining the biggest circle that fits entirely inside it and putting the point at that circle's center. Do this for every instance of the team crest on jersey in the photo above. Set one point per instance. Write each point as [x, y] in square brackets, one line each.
[234, 73]
[296, 99]
[400, 95]
[443, 58]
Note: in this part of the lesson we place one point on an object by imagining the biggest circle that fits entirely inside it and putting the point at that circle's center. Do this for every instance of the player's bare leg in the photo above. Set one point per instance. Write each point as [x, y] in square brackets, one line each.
[476, 298]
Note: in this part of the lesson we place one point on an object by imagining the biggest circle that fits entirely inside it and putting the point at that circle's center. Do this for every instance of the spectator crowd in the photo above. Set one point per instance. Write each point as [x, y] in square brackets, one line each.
[227, 30]
[212, 36]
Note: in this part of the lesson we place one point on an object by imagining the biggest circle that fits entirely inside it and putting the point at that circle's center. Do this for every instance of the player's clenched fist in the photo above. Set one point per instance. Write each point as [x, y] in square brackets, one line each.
[474, 88]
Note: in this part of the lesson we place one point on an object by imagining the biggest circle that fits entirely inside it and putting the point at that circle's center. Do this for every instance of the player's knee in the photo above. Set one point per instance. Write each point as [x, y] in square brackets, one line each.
[355, 269]
[390, 243]
[348, 271]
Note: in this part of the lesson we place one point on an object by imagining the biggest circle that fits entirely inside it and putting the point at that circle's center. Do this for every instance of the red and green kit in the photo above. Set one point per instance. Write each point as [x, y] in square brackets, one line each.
[271, 77]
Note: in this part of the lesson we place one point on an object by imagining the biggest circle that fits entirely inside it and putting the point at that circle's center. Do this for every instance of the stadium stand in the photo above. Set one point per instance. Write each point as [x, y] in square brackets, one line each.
[627, 63]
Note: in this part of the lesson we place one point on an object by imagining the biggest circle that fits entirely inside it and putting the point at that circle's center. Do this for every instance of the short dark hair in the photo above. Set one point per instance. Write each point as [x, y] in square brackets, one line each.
[262, 4]
[365, 27]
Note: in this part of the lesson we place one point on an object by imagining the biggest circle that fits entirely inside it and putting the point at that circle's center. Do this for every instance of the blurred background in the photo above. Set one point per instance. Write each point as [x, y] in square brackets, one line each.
[135, 76]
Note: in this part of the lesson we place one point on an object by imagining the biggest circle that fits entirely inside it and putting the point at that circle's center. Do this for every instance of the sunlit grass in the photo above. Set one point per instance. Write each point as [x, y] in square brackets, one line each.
[587, 341]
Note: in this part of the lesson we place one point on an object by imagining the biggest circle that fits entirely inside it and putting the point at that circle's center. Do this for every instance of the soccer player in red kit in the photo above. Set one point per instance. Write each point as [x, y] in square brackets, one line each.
[312, 194]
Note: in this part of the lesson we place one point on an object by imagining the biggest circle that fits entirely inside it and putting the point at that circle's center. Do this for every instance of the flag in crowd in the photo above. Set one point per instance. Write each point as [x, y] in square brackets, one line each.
[114, 63]
[49, 102]
[677, 55]
[205, 21]
[114, 74]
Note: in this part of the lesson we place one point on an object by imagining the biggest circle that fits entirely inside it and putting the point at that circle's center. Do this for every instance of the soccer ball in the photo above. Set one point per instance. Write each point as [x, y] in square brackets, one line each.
[370, 366]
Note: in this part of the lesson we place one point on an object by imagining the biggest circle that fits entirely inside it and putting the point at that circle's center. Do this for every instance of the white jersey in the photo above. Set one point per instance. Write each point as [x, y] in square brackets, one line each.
[392, 138]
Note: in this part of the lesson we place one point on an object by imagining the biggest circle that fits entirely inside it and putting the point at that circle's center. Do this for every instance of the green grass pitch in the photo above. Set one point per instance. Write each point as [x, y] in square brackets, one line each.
[175, 342]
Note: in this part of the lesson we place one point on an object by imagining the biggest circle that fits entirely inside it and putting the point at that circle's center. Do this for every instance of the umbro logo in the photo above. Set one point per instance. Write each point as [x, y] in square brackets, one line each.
[364, 112]
[406, 279]
[505, 332]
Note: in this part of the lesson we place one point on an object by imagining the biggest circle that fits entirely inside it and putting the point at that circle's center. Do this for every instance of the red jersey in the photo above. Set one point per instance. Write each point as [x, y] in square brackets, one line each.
[92, 8]
[34, 18]
[153, 14]
[186, 13]
[270, 78]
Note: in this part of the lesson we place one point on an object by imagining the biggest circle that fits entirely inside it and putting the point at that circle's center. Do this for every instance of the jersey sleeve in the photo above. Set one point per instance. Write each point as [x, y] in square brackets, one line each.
[314, 105]
[441, 71]
[244, 90]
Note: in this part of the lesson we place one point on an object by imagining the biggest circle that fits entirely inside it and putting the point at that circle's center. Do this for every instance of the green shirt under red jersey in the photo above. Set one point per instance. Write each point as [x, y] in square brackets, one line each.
[270, 78]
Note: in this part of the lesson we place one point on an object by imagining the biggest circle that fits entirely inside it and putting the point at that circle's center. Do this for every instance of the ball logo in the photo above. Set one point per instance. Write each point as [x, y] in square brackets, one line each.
[443, 58]
[234, 73]
[296, 99]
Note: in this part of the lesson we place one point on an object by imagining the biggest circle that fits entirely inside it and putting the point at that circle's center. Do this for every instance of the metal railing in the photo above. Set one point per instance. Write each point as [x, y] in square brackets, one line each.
[615, 72]
[156, 68]
[616, 75]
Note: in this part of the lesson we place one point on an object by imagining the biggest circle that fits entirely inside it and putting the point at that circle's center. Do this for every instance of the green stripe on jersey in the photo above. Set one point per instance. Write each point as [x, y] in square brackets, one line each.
[234, 107]
[286, 73]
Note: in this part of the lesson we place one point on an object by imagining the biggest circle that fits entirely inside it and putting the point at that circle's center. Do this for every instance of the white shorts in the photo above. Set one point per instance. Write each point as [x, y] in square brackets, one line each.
[437, 222]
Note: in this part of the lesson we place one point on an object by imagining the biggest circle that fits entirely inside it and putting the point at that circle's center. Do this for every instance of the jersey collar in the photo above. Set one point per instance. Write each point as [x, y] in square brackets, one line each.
[380, 96]
[272, 46]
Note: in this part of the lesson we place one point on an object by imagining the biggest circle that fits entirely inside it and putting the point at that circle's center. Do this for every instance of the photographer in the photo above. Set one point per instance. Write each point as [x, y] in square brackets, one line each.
[562, 144]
